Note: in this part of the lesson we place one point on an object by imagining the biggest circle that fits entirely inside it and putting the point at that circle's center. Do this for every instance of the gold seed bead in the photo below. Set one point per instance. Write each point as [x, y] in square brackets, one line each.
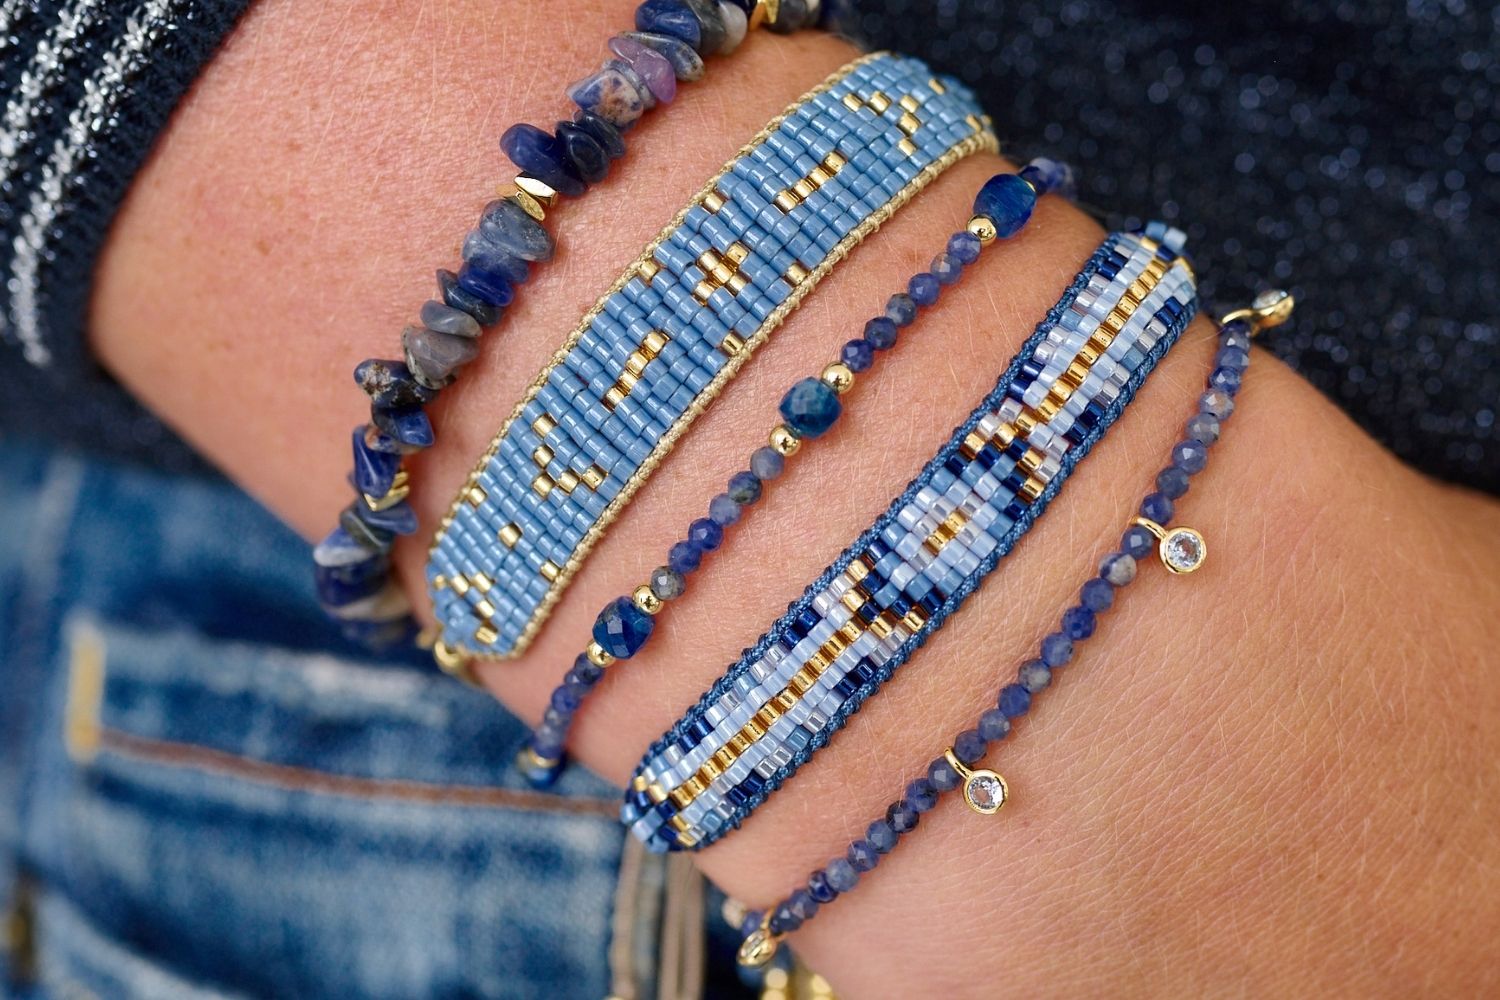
[597, 655]
[838, 377]
[983, 228]
[784, 441]
[646, 600]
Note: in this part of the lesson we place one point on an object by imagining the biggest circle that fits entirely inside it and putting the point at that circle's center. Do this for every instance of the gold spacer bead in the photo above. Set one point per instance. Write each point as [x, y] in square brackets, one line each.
[542, 192]
[514, 192]
[983, 228]
[597, 655]
[784, 441]
[838, 377]
[763, 12]
[647, 601]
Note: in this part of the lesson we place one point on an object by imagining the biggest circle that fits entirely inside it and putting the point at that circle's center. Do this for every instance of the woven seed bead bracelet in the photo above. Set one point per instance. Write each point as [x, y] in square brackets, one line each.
[657, 348]
[352, 563]
[808, 410]
[898, 583]
[1181, 549]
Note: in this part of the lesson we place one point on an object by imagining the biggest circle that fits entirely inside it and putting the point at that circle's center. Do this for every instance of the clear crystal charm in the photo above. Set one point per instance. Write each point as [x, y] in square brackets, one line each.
[985, 791]
[1182, 550]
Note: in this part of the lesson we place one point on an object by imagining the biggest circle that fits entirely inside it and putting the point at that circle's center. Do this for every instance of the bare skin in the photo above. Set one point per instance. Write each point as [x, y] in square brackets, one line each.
[1275, 777]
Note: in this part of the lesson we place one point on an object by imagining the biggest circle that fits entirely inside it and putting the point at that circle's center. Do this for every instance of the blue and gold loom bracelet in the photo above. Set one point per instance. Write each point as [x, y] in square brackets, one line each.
[657, 348]
[890, 590]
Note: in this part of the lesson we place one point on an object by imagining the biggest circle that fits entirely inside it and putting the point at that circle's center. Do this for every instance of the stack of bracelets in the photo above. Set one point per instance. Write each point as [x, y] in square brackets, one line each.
[656, 349]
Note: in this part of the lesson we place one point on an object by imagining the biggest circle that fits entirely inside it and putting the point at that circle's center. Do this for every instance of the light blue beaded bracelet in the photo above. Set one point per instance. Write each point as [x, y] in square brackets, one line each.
[657, 348]
[897, 584]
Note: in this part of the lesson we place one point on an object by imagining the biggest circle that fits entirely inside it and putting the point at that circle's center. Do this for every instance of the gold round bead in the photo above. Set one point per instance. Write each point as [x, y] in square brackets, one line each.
[982, 227]
[764, 11]
[598, 656]
[838, 377]
[646, 600]
[784, 441]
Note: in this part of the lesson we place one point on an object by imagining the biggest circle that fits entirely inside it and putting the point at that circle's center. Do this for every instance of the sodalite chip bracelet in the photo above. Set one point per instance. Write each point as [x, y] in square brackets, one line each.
[657, 348]
[1180, 549]
[352, 563]
[898, 583]
[808, 410]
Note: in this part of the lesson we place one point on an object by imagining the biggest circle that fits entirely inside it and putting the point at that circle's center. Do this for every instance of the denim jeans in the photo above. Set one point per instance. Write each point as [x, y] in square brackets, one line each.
[203, 793]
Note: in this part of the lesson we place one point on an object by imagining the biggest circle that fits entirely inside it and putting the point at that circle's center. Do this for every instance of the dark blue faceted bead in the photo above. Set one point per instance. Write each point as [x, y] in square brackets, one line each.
[902, 817]
[566, 700]
[993, 725]
[1035, 675]
[1137, 541]
[881, 836]
[1015, 700]
[555, 719]
[705, 534]
[1203, 428]
[1232, 357]
[964, 246]
[901, 309]
[582, 153]
[1190, 456]
[1057, 650]
[862, 856]
[390, 384]
[819, 889]
[810, 407]
[1097, 595]
[1225, 379]
[1172, 482]
[744, 488]
[1007, 201]
[374, 471]
[476, 278]
[881, 333]
[923, 288]
[1050, 176]
[802, 904]
[920, 795]
[724, 509]
[766, 463]
[1156, 507]
[946, 268]
[483, 312]
[602, 132]
[841, 875]
[969, 746]
[684, 557]
[586, 670]
[669, 17]
[1078, 623]
[1118, 568]
[1216, 403]
[548, 741]
[783, 920]
[857, 355]
[622, 628]
[344, 584]
[539, 153]
[409, 426]
[942, 775]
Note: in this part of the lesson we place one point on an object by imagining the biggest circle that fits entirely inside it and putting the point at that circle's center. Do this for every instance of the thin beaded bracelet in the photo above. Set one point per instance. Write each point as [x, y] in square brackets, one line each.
[808, 410]
[658, 347]
[352, 564]
[1181, 549]
[897, 584]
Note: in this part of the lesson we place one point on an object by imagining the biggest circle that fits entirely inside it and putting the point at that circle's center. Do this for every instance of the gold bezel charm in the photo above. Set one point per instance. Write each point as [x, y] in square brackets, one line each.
[1182, 549]
[985, 791]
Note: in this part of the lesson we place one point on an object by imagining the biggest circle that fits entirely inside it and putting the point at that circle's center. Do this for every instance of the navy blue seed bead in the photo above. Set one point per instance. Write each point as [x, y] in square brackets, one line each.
[920, 795]
[923, 288]
[810, 408]
[684, 557]
[902, 817]
[582, 154]
[601, 131]
[993, 725]
[880, 332]
[942, 775]
[857, 355]
[1137, 541]
[484, 314]
[766, 463]
[863, 856]
[724, 509]
[1171, 482]
[1035, 675]
[667, 584]
[819, 889]
[1007, 201]
[964, 246]
[802, 905]
[1190, 456]
[1118, 568]
[1014, 701]
[1225, 380]
[744, 488]
[1078, 623]
[969, 746]
[669, 17]
[537, 152]
[1217, 403]
[841, 875]
[622, 628]
[1057, 649]
[881, 836]
[1203, 428]
[705, 534]
[1156, 507]
[946, 268]
[1232, 357]
[900, 309]
[1096, 595]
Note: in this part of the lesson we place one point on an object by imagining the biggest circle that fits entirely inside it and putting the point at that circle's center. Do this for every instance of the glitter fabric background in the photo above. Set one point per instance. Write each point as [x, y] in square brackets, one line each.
[1350, 151]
